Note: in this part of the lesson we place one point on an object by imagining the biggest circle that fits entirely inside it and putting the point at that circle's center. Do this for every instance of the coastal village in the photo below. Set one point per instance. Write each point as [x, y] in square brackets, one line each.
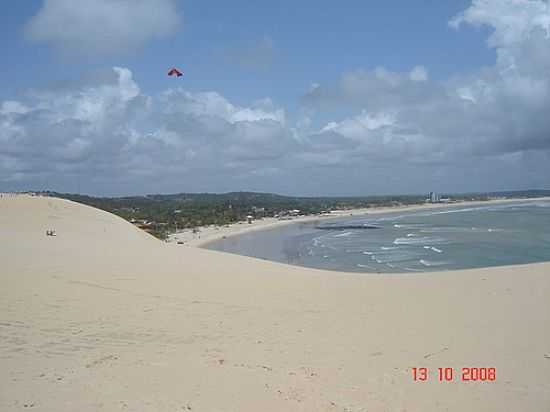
[184, 227]
[195, 232]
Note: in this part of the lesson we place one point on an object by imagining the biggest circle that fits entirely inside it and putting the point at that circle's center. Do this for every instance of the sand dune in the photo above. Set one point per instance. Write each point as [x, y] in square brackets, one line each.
[105, 317]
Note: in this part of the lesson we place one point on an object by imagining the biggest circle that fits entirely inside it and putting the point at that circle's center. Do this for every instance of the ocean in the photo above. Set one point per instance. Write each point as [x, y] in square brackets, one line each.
[457, 237]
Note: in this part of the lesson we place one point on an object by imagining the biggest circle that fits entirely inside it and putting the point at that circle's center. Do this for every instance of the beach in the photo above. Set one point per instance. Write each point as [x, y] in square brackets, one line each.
[463, 236]
[204, 235]
[103, 316]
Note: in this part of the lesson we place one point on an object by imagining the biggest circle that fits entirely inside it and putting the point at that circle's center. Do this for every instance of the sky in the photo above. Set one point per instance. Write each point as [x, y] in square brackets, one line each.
[300, 98]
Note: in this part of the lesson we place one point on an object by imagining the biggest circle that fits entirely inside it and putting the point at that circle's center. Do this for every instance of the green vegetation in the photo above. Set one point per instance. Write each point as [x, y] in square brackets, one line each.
[163, 214]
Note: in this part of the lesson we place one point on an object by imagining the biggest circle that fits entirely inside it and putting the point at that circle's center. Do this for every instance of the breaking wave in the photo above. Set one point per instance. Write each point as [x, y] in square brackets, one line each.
[418, 240]
[429, 263]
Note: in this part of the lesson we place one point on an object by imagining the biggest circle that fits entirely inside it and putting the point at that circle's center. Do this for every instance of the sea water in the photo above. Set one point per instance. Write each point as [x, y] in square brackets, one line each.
[457, 237]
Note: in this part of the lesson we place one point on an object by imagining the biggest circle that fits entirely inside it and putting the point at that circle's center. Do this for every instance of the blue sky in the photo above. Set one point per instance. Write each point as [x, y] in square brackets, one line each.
[312, 41]
[362, 97]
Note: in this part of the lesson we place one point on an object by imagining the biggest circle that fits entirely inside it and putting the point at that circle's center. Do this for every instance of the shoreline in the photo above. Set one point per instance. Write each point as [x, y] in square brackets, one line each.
[209, 234]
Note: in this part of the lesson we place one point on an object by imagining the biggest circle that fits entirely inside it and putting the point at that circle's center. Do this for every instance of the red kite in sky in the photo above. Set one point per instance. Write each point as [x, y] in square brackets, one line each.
[175, 72]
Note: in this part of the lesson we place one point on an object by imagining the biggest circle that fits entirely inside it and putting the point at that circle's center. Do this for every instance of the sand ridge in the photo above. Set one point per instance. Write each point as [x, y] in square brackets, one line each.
[105, 317]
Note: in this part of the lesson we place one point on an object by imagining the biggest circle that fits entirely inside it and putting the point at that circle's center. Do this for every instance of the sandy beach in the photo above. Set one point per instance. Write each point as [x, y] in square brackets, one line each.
[206, 234]
[103, 316]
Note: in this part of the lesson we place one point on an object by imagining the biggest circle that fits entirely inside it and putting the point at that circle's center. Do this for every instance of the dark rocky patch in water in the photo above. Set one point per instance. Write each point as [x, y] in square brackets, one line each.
[346, 227]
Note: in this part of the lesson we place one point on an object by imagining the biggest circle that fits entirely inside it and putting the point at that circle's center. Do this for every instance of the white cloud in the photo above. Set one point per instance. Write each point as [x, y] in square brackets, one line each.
[374, 89]
[110, 128]
[11, 106]
[419, 74]
[521, 32]
[513, 21]
[352, 136]
[213, 104]
[102, 26]
[499, 109]
[358, 127]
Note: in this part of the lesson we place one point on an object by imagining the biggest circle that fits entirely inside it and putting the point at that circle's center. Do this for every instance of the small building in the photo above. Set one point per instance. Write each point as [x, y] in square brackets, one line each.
[433, 198]
[258, 212]
[249, 219]
[142, 224]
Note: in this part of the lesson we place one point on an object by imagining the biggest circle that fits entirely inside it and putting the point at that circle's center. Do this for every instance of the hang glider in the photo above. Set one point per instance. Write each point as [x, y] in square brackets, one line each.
[175, 72]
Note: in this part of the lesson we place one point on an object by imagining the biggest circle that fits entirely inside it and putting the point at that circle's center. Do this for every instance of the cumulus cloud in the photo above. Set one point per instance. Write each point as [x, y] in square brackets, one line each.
[419, 74]
[373, 89]
[371, 131]
[495, 112]
[513, 21]
[212, 103]
[102, 26]
[106, 127]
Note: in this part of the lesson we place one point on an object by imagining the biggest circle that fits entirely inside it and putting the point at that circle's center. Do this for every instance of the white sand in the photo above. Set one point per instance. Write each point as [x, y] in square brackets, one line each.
[105, 317]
